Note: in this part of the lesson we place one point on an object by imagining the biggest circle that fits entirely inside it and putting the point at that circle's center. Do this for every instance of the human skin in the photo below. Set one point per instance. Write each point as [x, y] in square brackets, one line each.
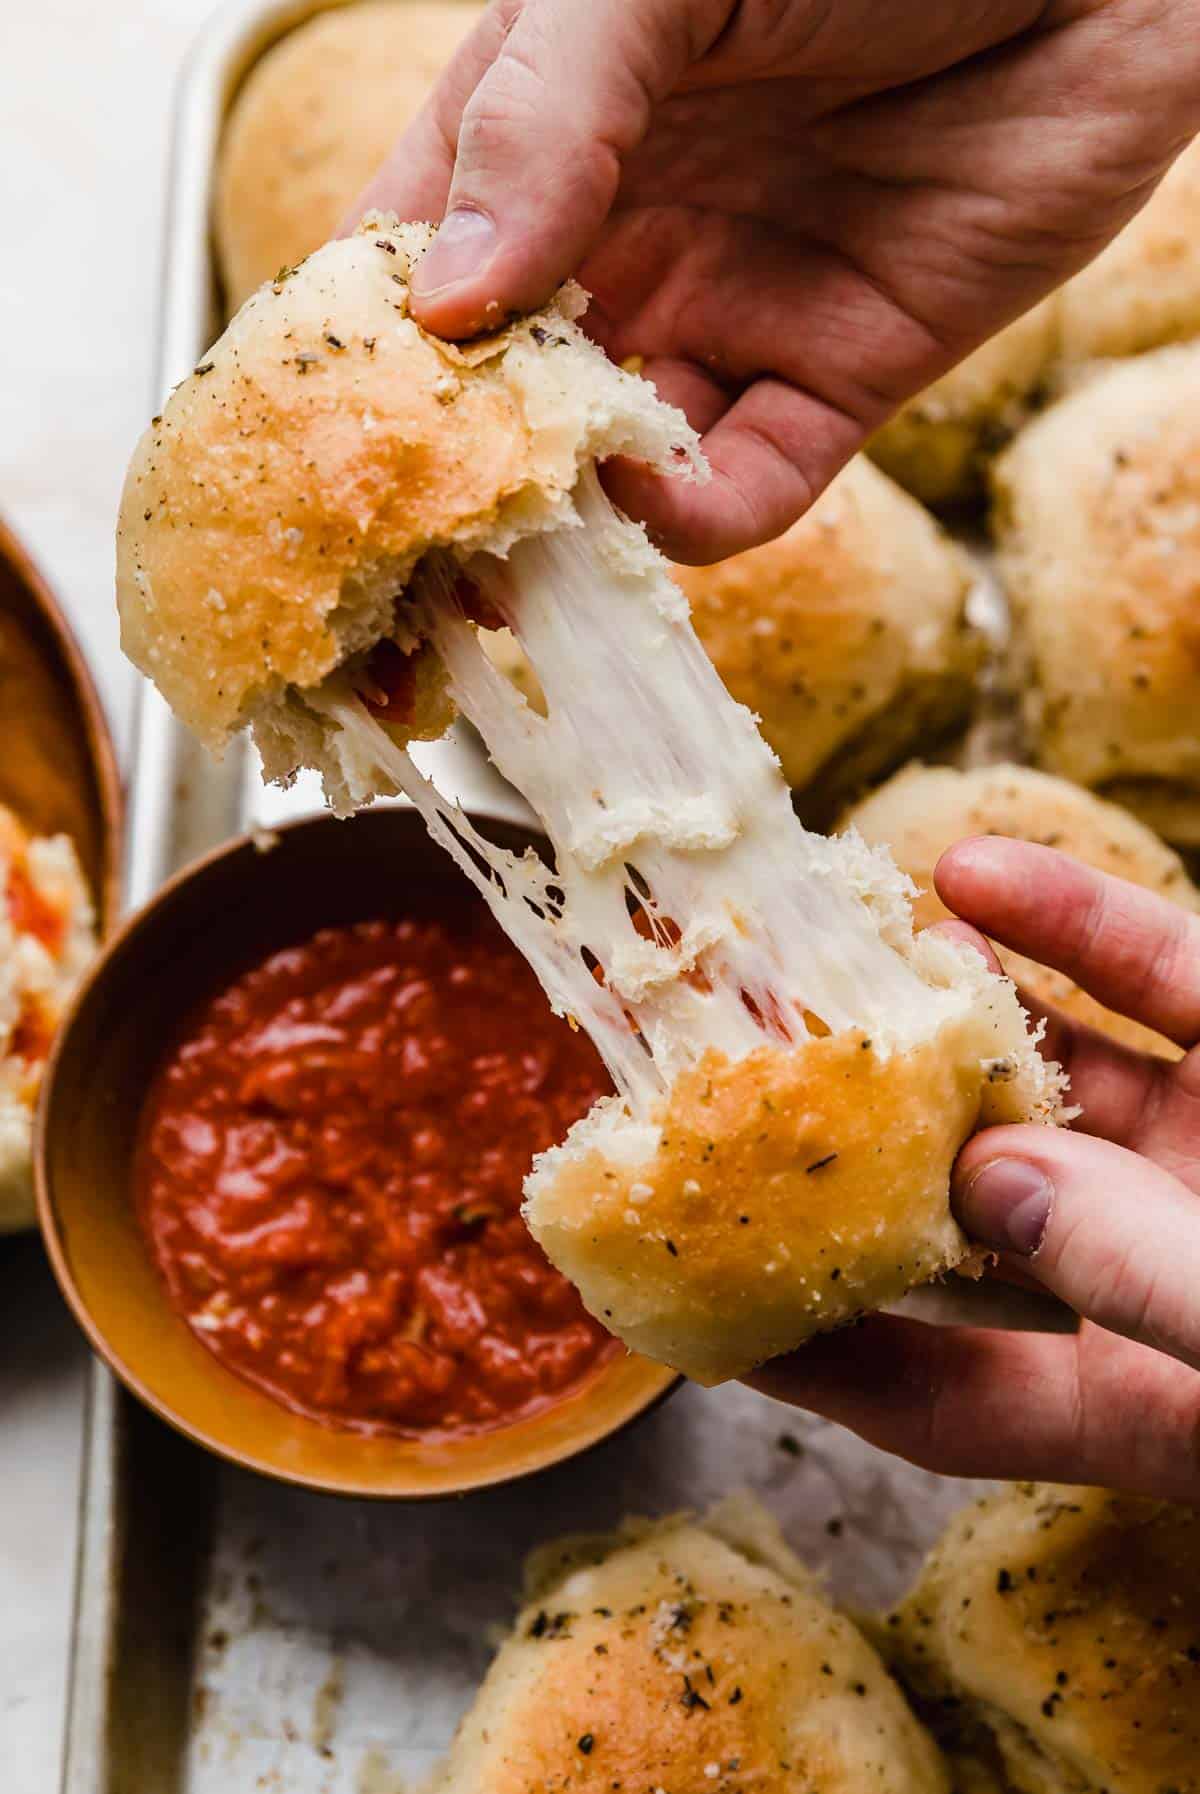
[1105, 1215]
[798, 212]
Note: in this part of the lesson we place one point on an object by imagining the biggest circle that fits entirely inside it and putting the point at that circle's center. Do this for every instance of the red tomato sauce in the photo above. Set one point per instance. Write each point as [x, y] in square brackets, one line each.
[329, 1176]
[31, 913]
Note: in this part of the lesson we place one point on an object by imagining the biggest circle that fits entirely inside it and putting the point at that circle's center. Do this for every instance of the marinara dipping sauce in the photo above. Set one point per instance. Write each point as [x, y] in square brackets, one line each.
[329, 1176]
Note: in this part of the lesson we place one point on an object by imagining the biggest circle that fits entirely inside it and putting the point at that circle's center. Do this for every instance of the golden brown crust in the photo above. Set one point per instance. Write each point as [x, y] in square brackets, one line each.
[829, 631]
[277, 408]
[1069, 1619]
[1171, 810]
[1143, 291]
[679, 1663]
[312, 123]
[920, 812]
[788, 1192]
[1098, 521]
[275, 510]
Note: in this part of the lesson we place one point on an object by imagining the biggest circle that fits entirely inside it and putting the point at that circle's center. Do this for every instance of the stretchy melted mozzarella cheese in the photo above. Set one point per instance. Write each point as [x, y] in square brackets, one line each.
[688, 910]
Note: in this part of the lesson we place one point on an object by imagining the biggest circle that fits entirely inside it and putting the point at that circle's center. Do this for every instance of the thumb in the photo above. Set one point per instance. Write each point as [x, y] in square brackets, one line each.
[540, 146]
[1113, 1235]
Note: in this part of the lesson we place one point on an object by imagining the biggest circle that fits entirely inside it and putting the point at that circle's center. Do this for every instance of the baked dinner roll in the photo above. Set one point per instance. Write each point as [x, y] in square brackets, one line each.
[314, 119]
[685, 1656]
[1143, 291]
[1097, 519]
[923, 810]
[274, 513]
[47, 936]
[1062, 1626]
[310, 534]
[939, 444]
[847, 636]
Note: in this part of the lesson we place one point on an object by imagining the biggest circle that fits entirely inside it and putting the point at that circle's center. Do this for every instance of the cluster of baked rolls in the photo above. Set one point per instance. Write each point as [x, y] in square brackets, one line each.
[1050, 1646]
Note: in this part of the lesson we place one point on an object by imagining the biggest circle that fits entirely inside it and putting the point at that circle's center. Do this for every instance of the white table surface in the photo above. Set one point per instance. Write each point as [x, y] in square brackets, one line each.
[85, 105]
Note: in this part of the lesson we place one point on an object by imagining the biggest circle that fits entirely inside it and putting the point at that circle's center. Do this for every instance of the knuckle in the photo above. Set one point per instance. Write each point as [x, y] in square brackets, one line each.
[1171, 955]
[1093, 925]
[1114, 1288]
[1133, 941]
[940, 1437]
[1124, 1290]
[1165, 1443]
[507, 99]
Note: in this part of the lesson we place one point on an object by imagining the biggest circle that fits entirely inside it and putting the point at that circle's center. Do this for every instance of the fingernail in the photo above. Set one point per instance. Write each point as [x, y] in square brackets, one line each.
[1006, 1204]
[462, 247]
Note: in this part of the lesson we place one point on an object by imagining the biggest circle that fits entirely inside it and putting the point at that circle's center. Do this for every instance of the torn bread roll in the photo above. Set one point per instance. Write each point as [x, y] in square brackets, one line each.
[314, 120]
[1059, 1630]
[47, 937]
[686, 1655]
[847, 637]
[1097, 519]
[310, 535]
[923, 810]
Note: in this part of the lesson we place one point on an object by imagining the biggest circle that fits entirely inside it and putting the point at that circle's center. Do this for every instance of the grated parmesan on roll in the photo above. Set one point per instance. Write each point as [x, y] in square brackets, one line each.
[685, 1655]
[1055, 1631]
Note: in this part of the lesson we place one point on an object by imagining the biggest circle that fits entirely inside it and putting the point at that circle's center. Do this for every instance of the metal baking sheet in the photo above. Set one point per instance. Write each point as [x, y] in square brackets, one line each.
[234, 1635]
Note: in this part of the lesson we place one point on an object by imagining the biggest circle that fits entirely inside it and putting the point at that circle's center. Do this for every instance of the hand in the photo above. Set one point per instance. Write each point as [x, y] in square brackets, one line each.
[1105, 1215]
[799, 212]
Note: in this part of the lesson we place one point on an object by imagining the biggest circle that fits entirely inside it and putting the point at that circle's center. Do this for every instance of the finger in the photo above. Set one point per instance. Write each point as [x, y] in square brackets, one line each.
[1110, 1233]
[539, 149]
[1132, 950]
[723, 297]
[968, 1401]
[701, 398]
[1114, 1086]
[1110, 1084]
[771, 453]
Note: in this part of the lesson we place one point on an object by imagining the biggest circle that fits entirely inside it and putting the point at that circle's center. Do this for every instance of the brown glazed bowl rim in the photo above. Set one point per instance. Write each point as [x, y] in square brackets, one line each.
[90, 721]
[622, 1390]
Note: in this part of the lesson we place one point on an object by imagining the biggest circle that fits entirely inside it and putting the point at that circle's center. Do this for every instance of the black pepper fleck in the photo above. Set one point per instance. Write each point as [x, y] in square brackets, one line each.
[692, 1698]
